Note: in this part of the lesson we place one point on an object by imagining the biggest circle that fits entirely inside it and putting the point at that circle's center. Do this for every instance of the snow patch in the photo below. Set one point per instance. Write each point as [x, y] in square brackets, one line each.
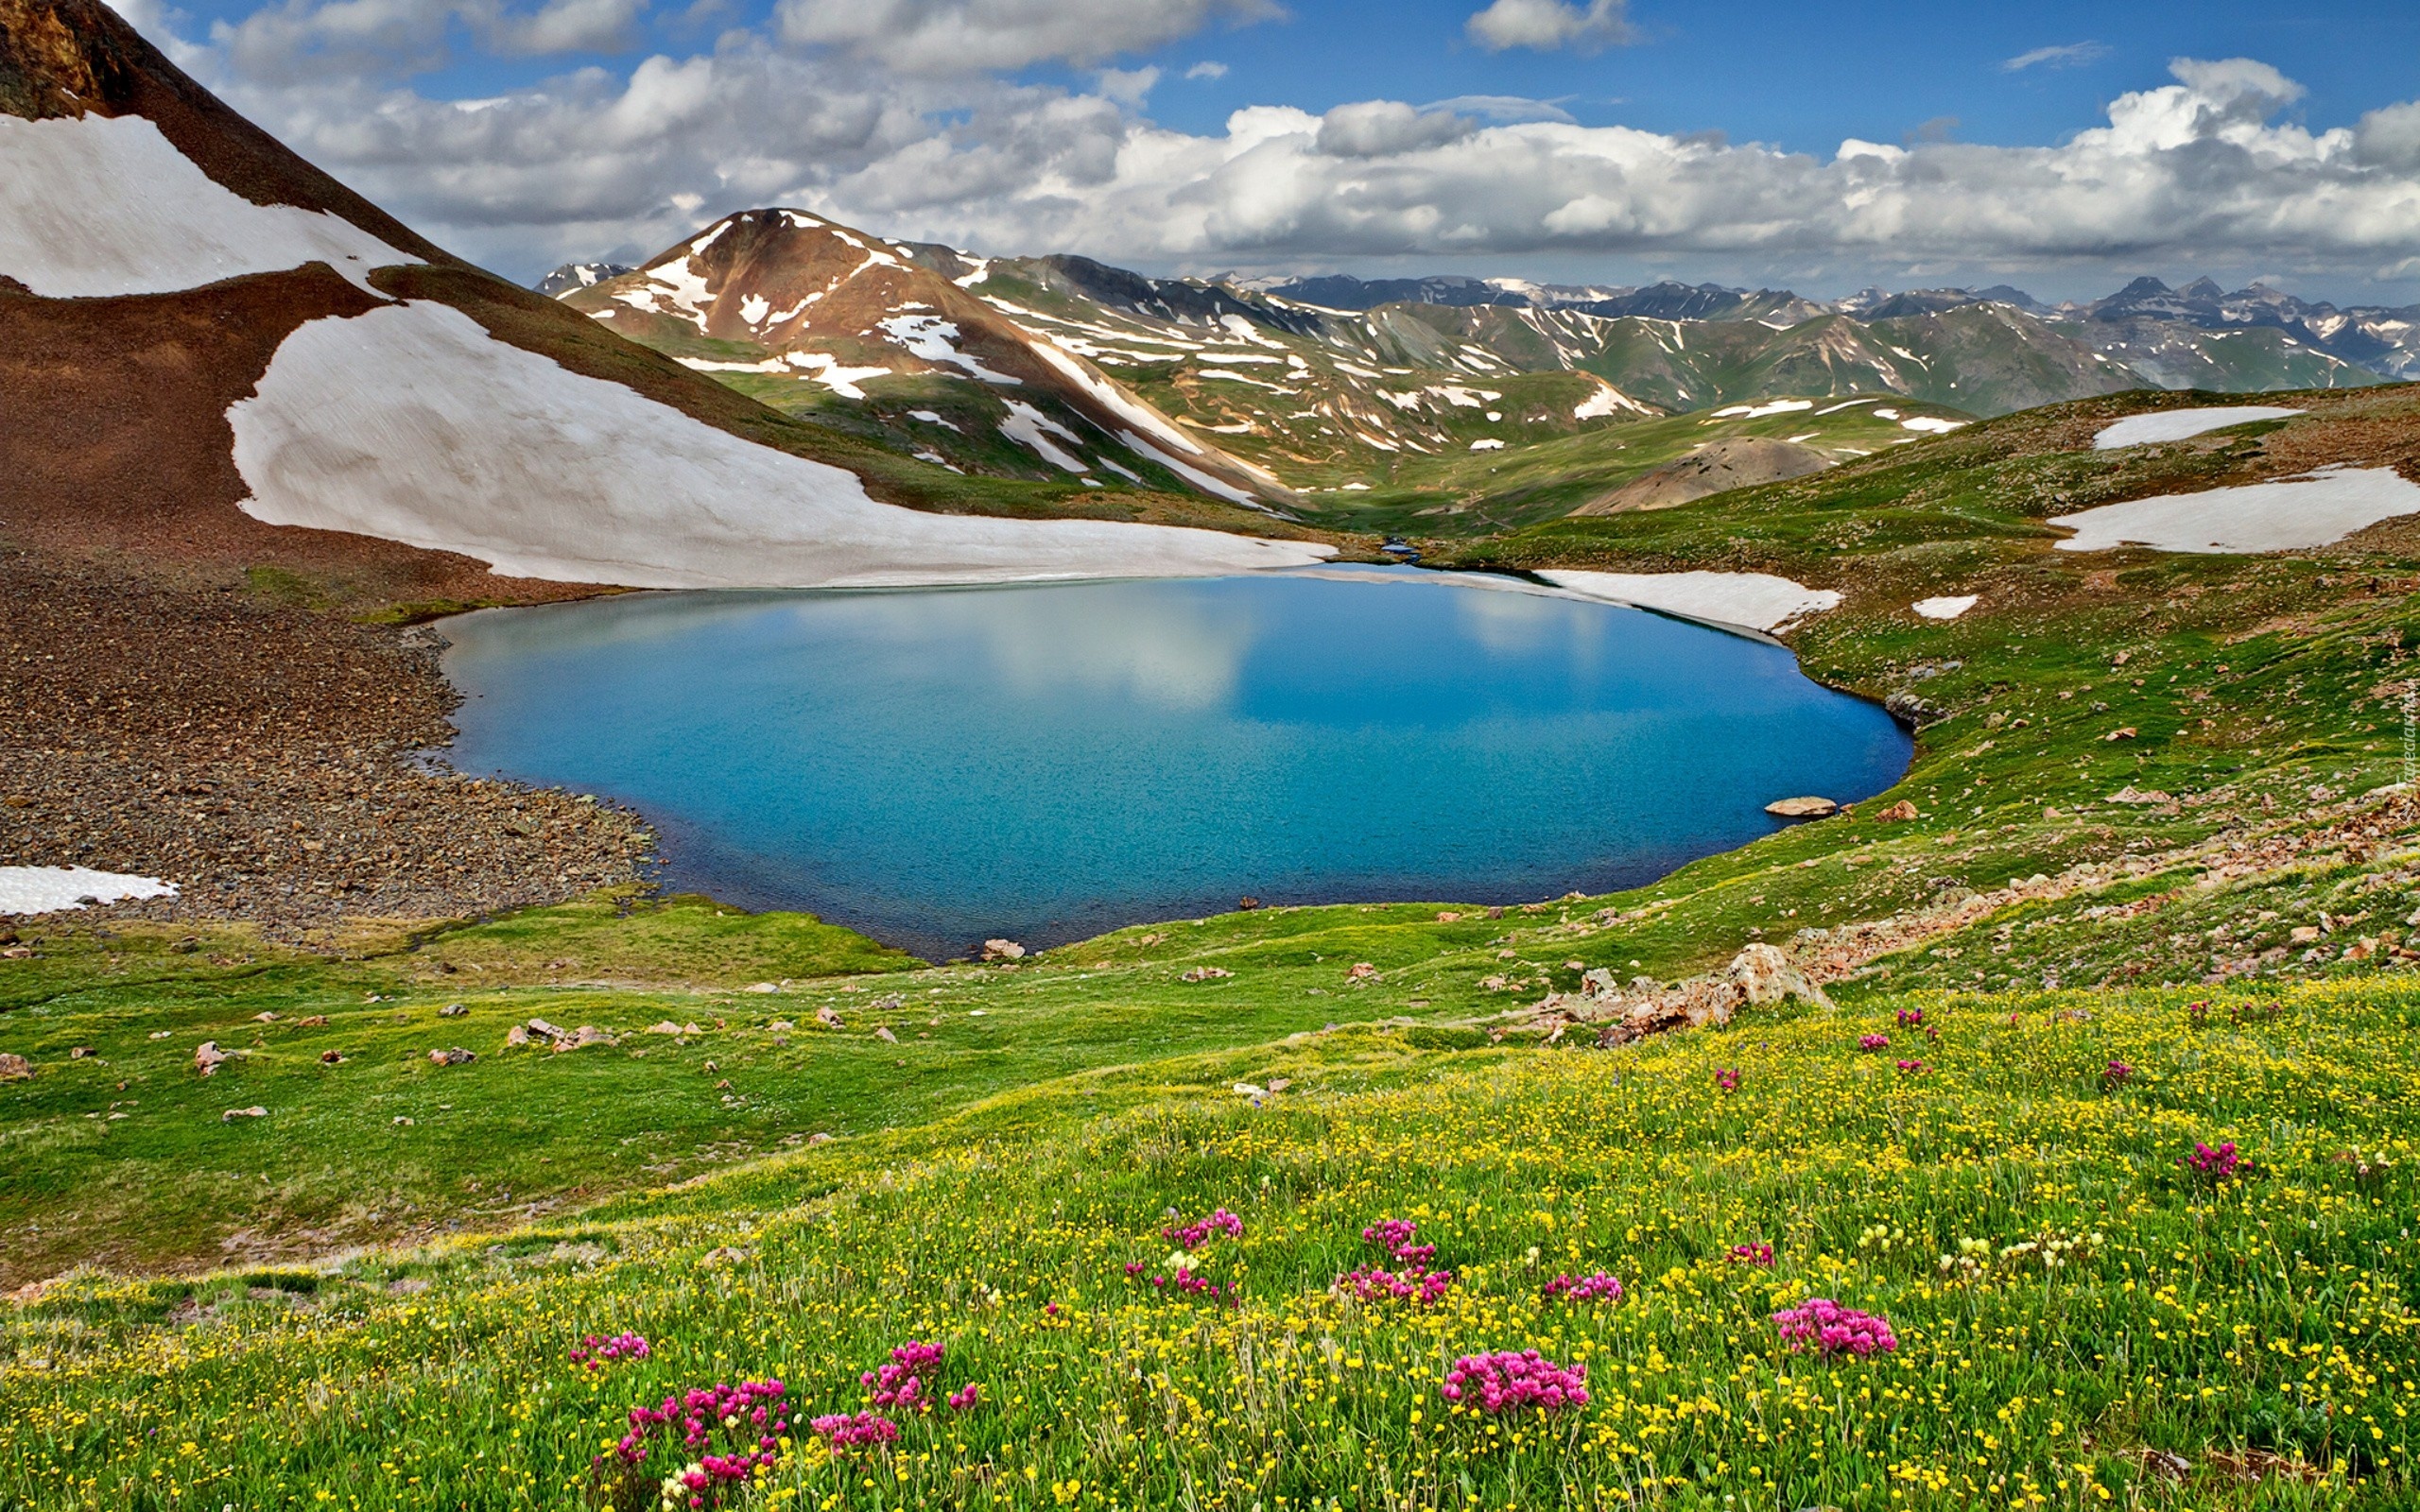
[57, 889]
[1032, 428]
[1758, 601]
[827, 370]
[1487, 444]
[1933, 424]
[1946, 608]
[1607, 400]
[2178, 424]
[1779, 406]
[97, 205]
[1194, 475]
[411, 424]
[935, 340]
[2311, 510]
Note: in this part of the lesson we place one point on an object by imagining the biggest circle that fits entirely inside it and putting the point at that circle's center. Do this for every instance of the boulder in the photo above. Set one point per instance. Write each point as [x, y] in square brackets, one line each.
[15, 1068]
[830, 1020]
[456, 1056]
[885, 1034]
[1899, 813]
[1003, 949]
[581, 1037]
[233, 1113]
[208, 1057]
[515, 1038]
[452, 1011]
[1207, 973]
[668, 1026]
[544, 1030]
[1802, 808]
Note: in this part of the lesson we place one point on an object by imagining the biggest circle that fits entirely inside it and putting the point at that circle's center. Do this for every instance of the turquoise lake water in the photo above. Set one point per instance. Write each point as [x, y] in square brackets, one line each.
[939, 766]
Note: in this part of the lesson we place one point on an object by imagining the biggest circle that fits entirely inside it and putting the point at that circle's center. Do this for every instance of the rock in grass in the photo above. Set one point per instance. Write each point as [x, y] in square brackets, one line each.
[825, 1017]
[233, 1113]
[1207, 973]
[1899, 813]
[1802, 808]
[15, 1068]
[452, 1011]
[454, 1056]
[1003, 949]
[208, 1057]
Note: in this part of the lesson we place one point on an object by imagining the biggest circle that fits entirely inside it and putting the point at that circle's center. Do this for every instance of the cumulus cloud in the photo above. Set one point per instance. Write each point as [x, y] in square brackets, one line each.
[2206, 169]
[969, 36]
[1206, 69]
[2071, 55]
[303, 41]
[1548, 25]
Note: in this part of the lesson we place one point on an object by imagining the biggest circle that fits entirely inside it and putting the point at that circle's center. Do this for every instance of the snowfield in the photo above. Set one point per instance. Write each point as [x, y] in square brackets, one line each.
[1946, 608]
[2180, 425]
[2311, 510]
[57, 889]
[1758, 601]
[98, 205]
[412, 423]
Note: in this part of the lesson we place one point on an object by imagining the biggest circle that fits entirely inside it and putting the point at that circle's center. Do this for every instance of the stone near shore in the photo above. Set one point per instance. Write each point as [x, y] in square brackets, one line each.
[1003, 949]
[1802, 808]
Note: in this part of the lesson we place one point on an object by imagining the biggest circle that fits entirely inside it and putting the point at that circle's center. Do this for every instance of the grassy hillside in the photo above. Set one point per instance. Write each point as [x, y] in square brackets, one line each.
[2158, 895]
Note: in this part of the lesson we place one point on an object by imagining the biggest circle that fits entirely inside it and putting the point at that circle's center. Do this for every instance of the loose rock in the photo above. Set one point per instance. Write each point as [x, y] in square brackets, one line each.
[1802, 808]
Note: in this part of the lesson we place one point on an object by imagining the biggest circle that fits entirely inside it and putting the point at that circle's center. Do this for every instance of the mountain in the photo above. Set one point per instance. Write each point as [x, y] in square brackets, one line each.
[2255, 338]
[212, 353]
[806, 314]
[579, 276]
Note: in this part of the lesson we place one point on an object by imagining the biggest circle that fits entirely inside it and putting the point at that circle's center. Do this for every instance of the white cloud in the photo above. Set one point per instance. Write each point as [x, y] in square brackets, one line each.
[1128, 86]
[1207, 68]
[968, 36]
[2070, 55]
[1548, 25]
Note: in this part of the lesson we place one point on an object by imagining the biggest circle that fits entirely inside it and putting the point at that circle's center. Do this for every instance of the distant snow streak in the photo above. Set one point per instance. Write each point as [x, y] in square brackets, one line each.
[2180, 425]
[412, 423]
[93, 205]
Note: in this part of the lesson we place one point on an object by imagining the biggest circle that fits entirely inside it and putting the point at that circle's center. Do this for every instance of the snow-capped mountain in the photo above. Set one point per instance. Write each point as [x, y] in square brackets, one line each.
[579, 276]
[212, 353]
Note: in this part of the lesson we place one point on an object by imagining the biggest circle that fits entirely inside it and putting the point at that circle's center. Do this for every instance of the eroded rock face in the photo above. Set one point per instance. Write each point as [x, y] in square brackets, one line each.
[1758, 974]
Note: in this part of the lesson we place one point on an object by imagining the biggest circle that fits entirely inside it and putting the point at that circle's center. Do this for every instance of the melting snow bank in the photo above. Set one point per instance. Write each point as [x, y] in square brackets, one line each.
[413, 424]
[1946, 608]
[97, 205]
[1758, 601]
[2311, 510]
[2178, 424]
[56, 889]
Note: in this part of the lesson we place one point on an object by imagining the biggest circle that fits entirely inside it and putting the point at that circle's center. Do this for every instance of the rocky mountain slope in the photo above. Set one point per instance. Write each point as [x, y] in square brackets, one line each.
[210, 352]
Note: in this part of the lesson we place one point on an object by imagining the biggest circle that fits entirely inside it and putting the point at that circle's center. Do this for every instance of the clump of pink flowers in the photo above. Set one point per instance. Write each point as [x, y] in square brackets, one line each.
[1195, 1234]
[899, 1383]
[1870, 1042]
[593, 1353]
[1912, 1068]
[1412, 1284]
[2117, 1073]
[1514, 1380]
[1912, 1018]
[1754, 1253]
[1398, 1237]
[731, 1432]
[965, 1397]
[844, 1430]
[2218, 1164]
[1599, 1287]
[1726, 1079]
[1827, 1328]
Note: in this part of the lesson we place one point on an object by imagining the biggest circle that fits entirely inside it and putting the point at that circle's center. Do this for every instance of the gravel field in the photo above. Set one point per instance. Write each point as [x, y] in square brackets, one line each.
[265, 757]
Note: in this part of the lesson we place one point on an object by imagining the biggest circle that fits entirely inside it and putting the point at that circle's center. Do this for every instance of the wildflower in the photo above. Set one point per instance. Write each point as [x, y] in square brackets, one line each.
[731, 1431]
[2116, 1073]
[1753, 1253]
[1910, 1018]
[1596, 1287]
[2219, 1164]
[899, 1383]
[1912, 1068]
[1414, 1285]
[1397, 1237]
[593, 1353]
[1726, 1079]
[1510, 1380]
[1193, 1235]
[965, 1397]
[843, 1431]
[1870, 1042]
[1827, 1328]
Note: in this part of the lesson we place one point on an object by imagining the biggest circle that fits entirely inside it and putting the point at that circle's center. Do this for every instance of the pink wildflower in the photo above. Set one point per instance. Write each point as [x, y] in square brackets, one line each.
[1397, 1237]
[746, 1420]
[1910, 1018]
[1414, 1285]
[2218, 1164]
[1912, 1068]
[1726, 1079]
[1870, 1042]
[1193, 1235]
[842, 1431]
[1595, 1288]
[901, 1382]
[1827, 1328]
[593, 1353]
[1512, 1380]
[2117, 1073]
[1753, 1253]
[965, 1397]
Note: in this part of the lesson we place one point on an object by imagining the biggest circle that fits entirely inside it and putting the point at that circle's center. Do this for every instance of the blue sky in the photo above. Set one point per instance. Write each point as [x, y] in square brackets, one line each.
[609, 126]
